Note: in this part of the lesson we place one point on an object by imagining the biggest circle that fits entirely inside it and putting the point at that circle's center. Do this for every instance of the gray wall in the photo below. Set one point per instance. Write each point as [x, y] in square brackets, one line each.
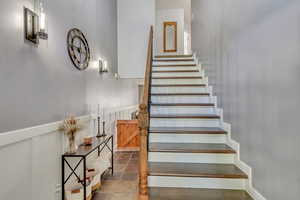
[134, 20]
[39, 84]
[104, 89]
[251, 49]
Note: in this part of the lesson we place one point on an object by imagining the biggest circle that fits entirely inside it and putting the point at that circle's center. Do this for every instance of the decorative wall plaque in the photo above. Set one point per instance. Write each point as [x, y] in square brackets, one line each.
[78, 49]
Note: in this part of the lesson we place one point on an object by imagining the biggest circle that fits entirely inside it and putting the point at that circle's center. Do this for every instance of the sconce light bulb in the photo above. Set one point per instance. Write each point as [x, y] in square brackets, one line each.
[42, 21]
[105, 65]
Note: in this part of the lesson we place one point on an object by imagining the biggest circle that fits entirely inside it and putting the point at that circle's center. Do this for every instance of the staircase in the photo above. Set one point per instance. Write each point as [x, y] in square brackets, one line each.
[188, 155]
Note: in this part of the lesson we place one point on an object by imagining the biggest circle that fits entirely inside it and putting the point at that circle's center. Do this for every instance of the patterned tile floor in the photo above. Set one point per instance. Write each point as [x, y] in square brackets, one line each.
[124, 184]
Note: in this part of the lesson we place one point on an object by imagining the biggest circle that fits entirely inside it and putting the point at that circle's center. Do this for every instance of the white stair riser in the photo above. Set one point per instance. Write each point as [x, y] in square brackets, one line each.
[183, 110]
[181, 90]
[161, 122]
[183, 99]
[178, 74]
[174, 63]
[216, 158]
[196, 182]
[188, 138]
[175, 68]
[175, 58]
[180, 81]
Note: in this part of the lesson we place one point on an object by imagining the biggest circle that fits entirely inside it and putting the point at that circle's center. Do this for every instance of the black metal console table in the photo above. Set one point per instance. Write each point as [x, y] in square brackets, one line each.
[83, 151]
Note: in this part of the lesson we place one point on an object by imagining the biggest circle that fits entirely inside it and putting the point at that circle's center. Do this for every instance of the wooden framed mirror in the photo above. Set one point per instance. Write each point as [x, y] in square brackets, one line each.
[170, 36]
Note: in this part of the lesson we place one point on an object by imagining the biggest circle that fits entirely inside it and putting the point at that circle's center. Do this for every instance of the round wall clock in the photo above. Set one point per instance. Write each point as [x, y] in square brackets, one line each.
[78, 49]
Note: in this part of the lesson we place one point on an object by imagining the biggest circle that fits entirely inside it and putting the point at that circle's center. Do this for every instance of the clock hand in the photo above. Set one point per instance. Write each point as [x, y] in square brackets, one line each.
[75, 47]
[80, 52]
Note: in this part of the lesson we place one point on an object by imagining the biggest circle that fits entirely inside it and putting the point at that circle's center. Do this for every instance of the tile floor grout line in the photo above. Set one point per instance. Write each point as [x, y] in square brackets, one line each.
[126, 166]
[124, 185]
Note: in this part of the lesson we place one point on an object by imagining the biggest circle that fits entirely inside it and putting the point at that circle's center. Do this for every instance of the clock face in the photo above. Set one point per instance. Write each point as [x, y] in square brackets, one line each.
[78, 49]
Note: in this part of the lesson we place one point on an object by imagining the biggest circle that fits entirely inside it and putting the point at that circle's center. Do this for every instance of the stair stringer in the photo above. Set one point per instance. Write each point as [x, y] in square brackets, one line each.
[242, 165]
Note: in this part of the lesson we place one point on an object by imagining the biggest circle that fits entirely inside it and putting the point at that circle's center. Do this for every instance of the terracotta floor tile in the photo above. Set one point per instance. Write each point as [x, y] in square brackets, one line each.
[124, 196]
[124, 156]
[131, 168]
[119, 167]
[102, 196]
[130, 176]
[121, 161]
[134, 162]
[116, 186]
[135, 156]
[116, 176]
[123, 185]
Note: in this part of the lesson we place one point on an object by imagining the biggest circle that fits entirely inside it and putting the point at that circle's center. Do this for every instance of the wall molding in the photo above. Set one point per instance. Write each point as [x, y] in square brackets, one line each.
[242, 165]
[15, 136]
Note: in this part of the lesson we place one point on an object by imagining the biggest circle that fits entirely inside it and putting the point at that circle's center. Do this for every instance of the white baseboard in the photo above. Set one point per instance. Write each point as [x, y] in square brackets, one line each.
[242, 165]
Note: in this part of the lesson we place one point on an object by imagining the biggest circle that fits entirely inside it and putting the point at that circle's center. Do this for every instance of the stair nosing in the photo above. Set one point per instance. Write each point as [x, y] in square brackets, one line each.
[178, 77]
[215, 151]
[185, 116]
[231, 176]
[179, 85]
[174, 60]
[190, 132]
[181, 94]
[187, 130]
[176, 71]
[173, 56]
[184, 104]
[179, 65]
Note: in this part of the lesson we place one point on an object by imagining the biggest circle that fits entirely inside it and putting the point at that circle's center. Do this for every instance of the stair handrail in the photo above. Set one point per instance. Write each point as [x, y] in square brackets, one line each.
[144, 120]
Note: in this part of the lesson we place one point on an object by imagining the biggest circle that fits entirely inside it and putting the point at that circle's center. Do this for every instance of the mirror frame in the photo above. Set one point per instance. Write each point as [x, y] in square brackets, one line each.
[165, 36]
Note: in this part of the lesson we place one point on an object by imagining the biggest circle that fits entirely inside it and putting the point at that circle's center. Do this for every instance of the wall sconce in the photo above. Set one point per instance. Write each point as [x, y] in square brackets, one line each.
[31, 26]
[42, 32]
[103, 67]
[34, 25]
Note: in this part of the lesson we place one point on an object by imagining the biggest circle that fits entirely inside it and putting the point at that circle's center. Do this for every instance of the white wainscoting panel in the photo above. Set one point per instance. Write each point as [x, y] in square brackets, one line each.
[30, 166]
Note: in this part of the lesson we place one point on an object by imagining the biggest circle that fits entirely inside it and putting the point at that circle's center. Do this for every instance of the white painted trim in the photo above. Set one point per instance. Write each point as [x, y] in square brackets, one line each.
[216, 158]
[15, 136]
[187, 138]
[196, 182]
[117, 109]
[242, 165]
[27, 133]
